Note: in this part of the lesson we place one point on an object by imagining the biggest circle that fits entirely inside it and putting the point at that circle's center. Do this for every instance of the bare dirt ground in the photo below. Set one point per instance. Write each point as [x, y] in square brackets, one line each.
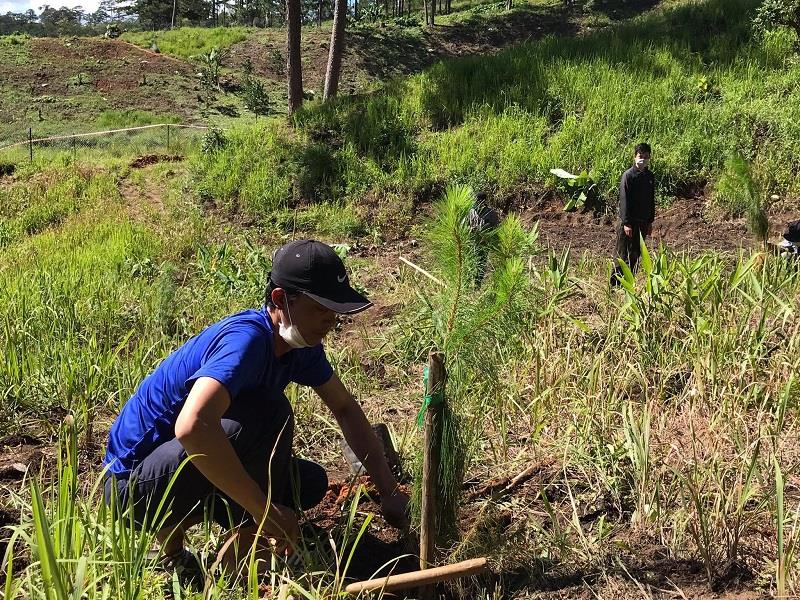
[76, 79]
[687, 224]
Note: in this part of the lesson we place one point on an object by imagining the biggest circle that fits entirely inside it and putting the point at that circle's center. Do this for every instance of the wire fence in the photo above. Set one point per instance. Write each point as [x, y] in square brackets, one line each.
[161, 138]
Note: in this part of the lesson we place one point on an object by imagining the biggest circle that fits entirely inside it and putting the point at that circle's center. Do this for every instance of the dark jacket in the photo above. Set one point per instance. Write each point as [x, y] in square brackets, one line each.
[637, 197]
[792, 231]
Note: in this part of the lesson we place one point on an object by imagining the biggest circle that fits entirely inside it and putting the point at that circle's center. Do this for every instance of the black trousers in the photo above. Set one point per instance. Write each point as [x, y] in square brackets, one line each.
[628, 249]
[260, 430]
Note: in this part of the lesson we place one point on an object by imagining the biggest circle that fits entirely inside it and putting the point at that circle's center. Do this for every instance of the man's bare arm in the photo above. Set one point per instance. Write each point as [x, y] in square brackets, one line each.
[358, 432]
[199, 430]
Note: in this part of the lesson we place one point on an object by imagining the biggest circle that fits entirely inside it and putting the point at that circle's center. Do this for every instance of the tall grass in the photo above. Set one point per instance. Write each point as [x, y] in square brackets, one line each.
[186, 42]
[662, 411]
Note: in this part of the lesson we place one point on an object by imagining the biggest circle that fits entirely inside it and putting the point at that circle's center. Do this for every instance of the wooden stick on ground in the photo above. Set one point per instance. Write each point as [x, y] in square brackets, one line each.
[423, 271]
[506, 485]
[426, 577]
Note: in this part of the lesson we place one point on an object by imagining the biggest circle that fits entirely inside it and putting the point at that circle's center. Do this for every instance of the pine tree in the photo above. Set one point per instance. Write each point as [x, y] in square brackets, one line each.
[336, 50]
[294, 72]
[470, 319]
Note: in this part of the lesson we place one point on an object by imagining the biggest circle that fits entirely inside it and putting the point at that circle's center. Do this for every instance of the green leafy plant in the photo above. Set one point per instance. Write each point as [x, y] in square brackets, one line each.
[213, 141]
[210, 66]
[276, 61]
[578, 187]
[775, 13]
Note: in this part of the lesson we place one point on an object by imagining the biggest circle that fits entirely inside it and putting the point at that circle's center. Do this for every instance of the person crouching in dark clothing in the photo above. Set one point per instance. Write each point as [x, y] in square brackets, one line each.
[637, 210]
[789, 245]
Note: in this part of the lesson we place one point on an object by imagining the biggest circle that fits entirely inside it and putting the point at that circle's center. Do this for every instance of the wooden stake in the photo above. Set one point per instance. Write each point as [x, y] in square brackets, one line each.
[393, 583]
[430, 467]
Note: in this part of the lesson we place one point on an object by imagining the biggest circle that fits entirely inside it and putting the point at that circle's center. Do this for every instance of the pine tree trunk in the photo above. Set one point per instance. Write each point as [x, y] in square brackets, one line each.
[294, 73]
[336, 50]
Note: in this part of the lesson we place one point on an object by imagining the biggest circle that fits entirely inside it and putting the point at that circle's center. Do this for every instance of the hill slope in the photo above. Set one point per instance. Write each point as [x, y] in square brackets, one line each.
[68, 85]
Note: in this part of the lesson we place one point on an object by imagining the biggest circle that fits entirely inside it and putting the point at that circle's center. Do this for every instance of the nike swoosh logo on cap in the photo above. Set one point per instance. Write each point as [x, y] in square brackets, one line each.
[341, 279]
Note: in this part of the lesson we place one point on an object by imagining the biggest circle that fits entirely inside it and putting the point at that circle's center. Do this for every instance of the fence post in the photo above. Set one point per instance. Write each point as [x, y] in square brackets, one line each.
[74, 150]
[30, 143]
[168, 138]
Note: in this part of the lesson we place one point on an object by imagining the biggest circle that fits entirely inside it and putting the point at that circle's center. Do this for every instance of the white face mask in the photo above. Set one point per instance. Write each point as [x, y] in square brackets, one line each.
[291, 334]
[642, 162]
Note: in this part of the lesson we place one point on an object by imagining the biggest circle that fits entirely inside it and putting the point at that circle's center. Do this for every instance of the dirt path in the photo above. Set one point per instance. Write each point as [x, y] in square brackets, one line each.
[145, 198]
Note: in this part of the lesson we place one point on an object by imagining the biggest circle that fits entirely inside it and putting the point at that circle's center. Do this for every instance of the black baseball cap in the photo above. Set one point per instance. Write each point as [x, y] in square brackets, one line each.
[314, 269]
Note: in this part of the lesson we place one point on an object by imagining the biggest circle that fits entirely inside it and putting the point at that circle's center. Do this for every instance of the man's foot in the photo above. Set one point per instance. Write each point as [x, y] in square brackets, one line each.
[187, 566]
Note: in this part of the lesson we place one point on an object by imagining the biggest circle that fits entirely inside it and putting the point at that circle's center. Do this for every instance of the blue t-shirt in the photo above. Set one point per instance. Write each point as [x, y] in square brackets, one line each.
[238, 353]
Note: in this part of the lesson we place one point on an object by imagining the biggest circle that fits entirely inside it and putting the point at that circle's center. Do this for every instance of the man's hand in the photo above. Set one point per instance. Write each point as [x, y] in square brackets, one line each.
[281, 529]
[394, 507]
[628, 230]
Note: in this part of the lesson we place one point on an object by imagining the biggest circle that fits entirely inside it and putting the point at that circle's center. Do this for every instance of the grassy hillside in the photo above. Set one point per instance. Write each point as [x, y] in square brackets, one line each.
[501, 122]
[656, 428]
[186, 42]
[66, 85]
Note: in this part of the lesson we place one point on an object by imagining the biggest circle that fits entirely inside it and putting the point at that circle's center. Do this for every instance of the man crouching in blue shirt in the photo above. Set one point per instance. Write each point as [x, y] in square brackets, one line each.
[220, 399]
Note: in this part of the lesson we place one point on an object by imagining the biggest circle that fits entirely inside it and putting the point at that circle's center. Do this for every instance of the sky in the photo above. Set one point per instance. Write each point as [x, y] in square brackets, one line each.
[19, 6]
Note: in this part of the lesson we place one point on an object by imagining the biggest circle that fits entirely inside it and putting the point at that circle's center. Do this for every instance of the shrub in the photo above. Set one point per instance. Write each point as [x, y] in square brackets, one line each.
[255, 96]
[777, 13]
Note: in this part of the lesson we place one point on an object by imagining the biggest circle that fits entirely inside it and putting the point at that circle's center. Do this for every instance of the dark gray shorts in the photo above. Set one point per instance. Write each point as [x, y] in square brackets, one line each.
[261, 431]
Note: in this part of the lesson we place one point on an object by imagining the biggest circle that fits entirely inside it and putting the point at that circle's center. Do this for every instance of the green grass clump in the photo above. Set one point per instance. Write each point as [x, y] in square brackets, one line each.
[264, 169]
[779, 45]
[15, 39]
[70, 303]
[186, 42]
[489, 151]
[44, 200]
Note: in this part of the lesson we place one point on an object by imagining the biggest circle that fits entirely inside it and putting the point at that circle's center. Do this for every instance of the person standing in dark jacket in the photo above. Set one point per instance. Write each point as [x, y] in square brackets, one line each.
[637, 210]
